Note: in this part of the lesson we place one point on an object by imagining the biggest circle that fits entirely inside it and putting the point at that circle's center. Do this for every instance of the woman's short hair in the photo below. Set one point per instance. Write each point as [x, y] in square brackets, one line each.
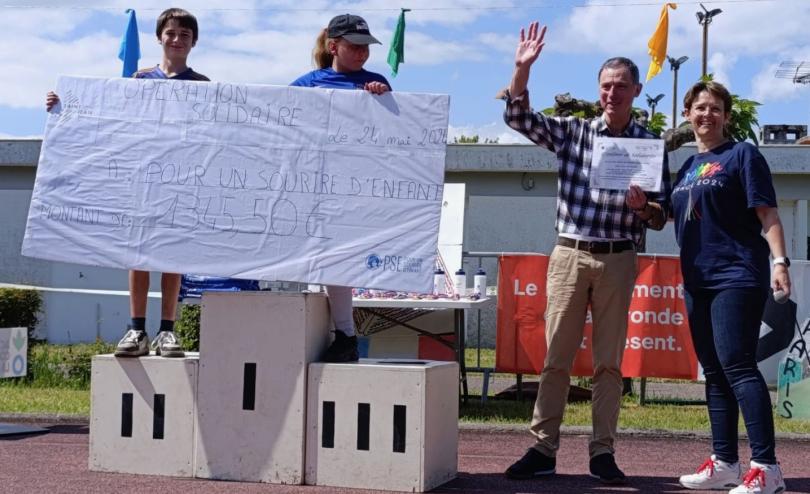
[714, 88]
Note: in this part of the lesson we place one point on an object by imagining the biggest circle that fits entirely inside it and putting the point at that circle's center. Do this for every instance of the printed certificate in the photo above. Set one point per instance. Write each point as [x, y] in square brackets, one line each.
[618, 163]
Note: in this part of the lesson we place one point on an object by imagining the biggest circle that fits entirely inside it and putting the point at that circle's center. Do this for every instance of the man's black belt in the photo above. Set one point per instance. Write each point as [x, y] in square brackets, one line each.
[606, 247]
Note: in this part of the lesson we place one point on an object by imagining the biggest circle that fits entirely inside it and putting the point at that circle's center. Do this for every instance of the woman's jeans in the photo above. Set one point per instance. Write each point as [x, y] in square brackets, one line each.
[725, 330]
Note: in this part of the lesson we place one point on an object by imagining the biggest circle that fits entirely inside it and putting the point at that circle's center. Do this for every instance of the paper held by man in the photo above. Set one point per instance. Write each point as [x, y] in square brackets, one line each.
[618, 163]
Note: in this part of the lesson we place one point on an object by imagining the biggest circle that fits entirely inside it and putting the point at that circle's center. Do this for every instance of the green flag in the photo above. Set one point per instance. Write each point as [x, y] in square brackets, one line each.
[396, 54]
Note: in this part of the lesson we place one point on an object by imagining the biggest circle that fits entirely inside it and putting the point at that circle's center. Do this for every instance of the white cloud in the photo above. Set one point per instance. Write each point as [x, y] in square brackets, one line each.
[426, 50]
[766, 88]
[242, 40]
[498, 42]
[11, 137]
[742, 29]
[25, 83]
[720, 66]
[493, 130]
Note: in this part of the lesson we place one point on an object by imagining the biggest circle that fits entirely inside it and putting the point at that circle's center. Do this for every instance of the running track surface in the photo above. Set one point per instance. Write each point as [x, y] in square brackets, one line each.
[57, 463]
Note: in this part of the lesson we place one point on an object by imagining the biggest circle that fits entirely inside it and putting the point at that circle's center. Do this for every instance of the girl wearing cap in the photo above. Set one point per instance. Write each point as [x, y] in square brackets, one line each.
[340, 52]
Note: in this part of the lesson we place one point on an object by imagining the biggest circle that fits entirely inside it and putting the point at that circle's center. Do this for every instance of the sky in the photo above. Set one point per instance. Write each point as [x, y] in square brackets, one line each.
[464, 48]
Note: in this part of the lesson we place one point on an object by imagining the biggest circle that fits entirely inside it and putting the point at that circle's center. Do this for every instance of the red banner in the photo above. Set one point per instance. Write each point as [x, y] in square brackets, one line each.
[658, 339]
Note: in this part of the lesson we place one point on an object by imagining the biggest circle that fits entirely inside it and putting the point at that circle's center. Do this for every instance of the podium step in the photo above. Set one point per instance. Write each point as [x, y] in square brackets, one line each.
[382, 424]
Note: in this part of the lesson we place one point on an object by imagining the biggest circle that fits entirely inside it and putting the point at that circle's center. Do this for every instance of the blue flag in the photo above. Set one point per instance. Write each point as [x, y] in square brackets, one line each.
[130, 51]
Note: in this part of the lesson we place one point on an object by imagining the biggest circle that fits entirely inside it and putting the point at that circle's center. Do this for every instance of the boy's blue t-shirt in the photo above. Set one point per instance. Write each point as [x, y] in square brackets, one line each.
[716, 225]
[328, 78]
[156, 73]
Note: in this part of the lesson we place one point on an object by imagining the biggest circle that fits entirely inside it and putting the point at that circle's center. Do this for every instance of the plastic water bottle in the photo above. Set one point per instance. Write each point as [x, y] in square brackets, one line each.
[438, 282]
[480, 283]
[461, 283]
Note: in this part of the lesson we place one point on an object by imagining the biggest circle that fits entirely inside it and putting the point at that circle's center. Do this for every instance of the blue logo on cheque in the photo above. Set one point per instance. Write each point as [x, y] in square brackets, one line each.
[373, 261]
[395, 263]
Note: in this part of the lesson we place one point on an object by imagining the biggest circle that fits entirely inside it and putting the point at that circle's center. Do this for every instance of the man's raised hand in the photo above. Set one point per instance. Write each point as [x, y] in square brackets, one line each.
[530, 46]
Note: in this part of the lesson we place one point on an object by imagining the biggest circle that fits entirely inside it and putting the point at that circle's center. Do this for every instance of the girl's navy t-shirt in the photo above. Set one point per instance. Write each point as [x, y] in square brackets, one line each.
[716, 225]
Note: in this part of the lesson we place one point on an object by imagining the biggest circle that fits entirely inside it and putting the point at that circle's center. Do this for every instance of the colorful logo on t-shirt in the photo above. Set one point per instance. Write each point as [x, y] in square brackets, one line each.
[704, 174]
[702, 171]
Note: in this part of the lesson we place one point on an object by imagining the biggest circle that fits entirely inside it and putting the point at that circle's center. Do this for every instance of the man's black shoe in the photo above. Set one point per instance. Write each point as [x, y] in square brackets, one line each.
[343, 349]
[533, 464]
[604, 468]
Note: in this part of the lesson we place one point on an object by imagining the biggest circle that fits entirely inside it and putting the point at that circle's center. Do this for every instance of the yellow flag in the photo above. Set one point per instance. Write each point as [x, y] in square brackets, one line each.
[657, 46]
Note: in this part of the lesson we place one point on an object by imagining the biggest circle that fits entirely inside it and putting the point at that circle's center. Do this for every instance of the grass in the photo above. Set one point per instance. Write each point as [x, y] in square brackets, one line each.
[59, 384]
[58, 401]
[632, 416]
[681, 417]
[487, 357]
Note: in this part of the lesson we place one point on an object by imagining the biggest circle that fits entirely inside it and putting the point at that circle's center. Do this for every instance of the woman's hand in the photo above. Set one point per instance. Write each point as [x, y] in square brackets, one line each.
[780, 279]
[774, 234]
[376, 87]
[51, 99]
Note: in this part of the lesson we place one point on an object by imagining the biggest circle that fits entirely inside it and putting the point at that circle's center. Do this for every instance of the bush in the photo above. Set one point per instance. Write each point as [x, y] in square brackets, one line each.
[187, 327]
[19, 308]
[60, 366]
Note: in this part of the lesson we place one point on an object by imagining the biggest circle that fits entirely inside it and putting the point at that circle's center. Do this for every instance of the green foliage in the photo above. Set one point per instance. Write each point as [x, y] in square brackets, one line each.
[60, 366]
[474, 139]
[743, 119]
[466, 140]
[19, 308]
[589, 112]
[187, 327]
[657, 124]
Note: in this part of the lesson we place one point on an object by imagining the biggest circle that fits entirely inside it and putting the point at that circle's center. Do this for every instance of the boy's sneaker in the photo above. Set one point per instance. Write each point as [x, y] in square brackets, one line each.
[714, 474]
[342, 349]
[166, 345]
[604, 468]
[533, 464]
[133, 344]
[761, 479]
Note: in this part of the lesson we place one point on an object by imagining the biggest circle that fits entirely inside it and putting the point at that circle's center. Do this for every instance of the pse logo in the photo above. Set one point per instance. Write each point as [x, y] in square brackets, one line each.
[373, 261]
[397, 264]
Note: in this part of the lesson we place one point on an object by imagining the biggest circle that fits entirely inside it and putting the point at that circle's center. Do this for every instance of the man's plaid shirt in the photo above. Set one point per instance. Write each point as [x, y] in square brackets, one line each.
[581, 210]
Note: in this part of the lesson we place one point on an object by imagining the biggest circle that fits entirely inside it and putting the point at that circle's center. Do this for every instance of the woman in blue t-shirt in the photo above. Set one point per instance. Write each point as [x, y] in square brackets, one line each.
[340, 52]
[723, 202]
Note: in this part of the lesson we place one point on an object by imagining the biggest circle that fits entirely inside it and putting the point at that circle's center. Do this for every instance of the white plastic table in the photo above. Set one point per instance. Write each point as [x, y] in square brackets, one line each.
[374, 306]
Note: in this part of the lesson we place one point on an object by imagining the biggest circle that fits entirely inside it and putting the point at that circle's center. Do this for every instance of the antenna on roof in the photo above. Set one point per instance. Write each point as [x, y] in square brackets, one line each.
[798, 72]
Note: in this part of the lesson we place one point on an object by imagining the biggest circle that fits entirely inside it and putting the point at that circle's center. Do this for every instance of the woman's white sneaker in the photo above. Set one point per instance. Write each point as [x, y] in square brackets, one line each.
[714, 474]
[761, 479]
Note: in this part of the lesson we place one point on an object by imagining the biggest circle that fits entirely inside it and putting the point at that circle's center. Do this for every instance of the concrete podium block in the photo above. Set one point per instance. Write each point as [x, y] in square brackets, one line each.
[142, 415]
[382, 424]
[251, 407]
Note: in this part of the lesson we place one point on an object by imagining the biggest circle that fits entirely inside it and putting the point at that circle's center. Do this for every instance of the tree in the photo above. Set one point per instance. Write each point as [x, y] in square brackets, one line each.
[742, 122]
[657, 124]
[743, 119]
[474, 139]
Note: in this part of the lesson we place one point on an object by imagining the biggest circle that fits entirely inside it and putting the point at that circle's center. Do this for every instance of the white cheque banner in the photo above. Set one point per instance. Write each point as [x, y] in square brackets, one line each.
[247, 181]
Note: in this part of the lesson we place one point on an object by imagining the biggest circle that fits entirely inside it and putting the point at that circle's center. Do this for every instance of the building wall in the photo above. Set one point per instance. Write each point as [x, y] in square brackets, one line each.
[510, 207]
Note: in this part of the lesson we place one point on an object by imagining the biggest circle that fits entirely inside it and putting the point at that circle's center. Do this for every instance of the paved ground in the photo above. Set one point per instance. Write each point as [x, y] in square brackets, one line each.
[57, 463]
